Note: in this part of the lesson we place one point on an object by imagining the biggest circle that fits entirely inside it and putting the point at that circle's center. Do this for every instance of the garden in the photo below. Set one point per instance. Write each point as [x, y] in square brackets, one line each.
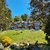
[19, 30]
[23, 39]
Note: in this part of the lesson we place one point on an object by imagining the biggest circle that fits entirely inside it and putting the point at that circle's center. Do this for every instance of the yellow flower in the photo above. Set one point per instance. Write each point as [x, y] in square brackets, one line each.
[6, 40]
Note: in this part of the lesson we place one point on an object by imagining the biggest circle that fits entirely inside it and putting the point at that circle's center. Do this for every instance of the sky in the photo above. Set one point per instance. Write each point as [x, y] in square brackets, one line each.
[18, 7]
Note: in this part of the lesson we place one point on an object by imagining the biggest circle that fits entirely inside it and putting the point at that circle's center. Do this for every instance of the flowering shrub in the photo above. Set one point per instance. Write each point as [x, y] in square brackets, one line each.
[6, 40]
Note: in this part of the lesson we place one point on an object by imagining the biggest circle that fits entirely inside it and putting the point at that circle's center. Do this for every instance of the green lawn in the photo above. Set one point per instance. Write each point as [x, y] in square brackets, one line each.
[25, 36]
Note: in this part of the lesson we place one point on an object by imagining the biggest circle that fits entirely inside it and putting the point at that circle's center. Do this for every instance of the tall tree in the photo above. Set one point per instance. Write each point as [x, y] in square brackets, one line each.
[24, 16]
[5, 15]
[40, 10]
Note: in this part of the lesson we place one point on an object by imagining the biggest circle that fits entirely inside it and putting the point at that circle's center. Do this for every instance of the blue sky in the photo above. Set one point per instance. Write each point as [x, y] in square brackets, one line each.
[18, 7]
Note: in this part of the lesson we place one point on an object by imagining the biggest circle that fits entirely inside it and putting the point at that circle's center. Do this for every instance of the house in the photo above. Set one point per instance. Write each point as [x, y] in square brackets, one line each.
[26, 24]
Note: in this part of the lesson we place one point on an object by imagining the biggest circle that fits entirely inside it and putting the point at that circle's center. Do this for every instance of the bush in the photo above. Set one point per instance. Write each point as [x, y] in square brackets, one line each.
[16, 33]
[6, 40]
[43, 28]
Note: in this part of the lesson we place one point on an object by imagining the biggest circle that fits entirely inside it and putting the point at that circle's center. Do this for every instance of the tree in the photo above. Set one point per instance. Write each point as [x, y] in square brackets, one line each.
[12, 20]
[5, 15]
[17, 18]
[47, 27]
[47, 30]
[24, 17]
[40, 10]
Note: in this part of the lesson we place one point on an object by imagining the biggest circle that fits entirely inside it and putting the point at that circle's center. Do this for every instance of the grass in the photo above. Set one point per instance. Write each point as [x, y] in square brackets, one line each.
[25, 36]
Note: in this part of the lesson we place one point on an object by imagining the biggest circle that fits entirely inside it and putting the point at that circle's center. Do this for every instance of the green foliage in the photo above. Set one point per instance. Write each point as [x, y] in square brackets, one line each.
[47, 28]
[5, 15]
[24, 17]
[12, 19]
[17, 18]
[39, 10]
